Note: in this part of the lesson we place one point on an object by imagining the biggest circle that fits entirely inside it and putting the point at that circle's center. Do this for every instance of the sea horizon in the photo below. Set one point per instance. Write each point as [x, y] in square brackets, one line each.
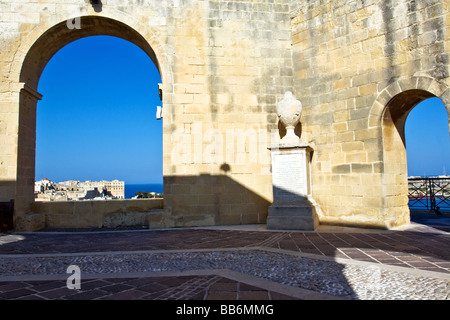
[132, 188]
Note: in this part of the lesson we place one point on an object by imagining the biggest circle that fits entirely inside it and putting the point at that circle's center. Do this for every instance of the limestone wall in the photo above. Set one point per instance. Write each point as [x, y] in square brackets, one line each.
[351, 58]
[95, 214]
[358, 67]
[232, 64]
[223, 64]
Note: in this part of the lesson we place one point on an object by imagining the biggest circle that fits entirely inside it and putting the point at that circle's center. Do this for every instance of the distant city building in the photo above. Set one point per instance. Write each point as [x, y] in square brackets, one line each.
[46, 190]
[116, 187]
[42, 185]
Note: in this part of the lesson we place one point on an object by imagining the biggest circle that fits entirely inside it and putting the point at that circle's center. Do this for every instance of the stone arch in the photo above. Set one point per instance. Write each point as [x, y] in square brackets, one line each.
[52, 40]
[389, 113]
[131, 31]
[429, 87]
[34, 54]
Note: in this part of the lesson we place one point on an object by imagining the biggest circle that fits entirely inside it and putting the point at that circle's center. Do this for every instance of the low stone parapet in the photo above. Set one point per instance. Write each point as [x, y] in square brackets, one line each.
[93, 214]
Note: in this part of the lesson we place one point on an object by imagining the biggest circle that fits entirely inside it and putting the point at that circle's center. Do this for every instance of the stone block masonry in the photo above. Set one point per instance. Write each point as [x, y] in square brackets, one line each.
[350, 60]
[96, 214]
[224, 65]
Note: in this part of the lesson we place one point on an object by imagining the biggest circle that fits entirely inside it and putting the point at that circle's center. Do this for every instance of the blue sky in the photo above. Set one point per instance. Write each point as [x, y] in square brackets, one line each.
[97, 118]
[427, 139]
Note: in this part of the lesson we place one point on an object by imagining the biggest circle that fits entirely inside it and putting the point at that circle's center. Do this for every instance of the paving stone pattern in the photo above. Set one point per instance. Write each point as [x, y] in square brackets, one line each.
[149, 288]
[359, 265]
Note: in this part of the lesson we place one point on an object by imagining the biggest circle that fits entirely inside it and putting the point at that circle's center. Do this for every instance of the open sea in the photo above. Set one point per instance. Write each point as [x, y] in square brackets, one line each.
[131, 189]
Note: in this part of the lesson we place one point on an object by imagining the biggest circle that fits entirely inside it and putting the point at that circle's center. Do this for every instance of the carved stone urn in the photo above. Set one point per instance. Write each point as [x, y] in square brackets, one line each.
[289, 111]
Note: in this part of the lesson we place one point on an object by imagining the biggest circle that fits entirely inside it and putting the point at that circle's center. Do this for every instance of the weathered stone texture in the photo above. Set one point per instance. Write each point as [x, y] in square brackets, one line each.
[346, 56]
[93, 214]
[224, 65]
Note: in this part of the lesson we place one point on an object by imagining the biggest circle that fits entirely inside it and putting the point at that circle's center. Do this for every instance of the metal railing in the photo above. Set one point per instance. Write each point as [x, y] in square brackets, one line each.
[429, 194]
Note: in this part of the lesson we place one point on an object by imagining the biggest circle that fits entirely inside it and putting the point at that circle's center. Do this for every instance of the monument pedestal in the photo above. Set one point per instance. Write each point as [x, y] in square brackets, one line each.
[291, 208]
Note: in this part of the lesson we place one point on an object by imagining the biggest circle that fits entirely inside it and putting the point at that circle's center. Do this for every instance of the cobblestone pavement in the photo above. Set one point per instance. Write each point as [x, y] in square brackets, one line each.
[238, 263]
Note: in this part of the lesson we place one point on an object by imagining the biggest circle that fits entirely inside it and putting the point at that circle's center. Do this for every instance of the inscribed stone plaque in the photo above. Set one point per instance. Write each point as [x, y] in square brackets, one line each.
[289, 176]
[291, 208]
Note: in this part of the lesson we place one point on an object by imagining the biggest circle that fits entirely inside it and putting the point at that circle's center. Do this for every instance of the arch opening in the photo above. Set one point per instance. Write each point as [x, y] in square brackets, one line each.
[96, 121]
[394, 143]
[428, 153]
[35, 61]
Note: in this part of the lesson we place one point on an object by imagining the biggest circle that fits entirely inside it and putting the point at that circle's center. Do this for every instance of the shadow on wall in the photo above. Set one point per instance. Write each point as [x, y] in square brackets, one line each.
[205, 200]
[7, 190]
[189, 201]
[7, 197]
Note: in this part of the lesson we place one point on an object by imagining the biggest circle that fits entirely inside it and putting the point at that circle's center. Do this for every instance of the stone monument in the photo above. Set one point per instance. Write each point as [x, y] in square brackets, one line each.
[292, 207]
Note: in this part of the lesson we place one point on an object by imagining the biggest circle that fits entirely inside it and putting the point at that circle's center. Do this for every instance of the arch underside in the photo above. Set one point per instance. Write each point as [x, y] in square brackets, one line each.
[60, 35]
[36, 59]
[392, 122]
